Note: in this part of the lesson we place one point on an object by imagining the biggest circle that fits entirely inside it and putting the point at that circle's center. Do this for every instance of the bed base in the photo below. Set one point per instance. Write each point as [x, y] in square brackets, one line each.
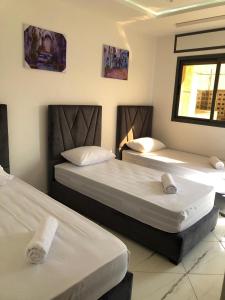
[123, 290]
[220, 203]
[174, 246]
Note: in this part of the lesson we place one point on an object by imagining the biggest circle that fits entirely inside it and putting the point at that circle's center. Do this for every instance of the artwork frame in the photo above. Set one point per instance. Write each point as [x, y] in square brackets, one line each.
[115, 62]
[44, 49]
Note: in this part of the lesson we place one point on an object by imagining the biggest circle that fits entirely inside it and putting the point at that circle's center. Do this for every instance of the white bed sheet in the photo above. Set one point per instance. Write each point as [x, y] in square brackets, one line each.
[190, 166]
[84, 258]
[137, 192]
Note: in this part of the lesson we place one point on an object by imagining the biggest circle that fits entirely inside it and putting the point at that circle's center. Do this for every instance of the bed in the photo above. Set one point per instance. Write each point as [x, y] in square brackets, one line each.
[85, 261]
[135, 122]
[116, 202]
[191, 166]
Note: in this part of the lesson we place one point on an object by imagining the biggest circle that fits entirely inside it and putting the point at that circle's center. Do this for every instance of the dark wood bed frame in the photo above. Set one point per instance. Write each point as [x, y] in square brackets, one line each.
[124, 288]
[74, 126]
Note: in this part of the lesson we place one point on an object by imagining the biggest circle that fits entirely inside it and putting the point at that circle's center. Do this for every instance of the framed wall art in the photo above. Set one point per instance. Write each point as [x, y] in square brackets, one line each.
[115, 62]
[44, 49]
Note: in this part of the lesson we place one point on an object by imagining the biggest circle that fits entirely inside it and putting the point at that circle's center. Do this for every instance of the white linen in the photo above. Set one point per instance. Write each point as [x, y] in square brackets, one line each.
[38, 248]
[85, 259]
[168, 183]
[4, 177]
[216, 163]
[137, 192]
[145, 144]
[190, 166]
[87, 155]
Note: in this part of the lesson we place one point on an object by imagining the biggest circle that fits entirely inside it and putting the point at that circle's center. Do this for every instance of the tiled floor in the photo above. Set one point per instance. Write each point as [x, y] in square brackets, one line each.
[199, 276]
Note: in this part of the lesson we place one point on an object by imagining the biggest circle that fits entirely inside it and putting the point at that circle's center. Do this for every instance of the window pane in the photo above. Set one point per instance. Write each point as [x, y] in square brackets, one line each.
[219, 110]
[197, 90]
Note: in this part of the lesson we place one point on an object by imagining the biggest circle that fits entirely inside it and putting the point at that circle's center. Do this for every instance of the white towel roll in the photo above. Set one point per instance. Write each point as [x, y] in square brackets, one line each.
[169, 186]
[216, 163]
[39, 246]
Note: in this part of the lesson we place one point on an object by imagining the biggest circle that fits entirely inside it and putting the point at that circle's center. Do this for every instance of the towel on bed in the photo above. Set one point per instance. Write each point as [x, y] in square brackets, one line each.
[169, 186]
[39, 246]
[216, 163]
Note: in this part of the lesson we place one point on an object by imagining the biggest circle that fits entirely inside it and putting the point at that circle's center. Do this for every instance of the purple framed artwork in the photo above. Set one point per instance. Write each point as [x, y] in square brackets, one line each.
[115, 62]
[44, 49]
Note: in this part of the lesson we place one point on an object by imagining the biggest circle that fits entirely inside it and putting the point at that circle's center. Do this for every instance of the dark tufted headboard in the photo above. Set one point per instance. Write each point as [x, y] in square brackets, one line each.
[4, 142]
[133, 122]
[71, 126]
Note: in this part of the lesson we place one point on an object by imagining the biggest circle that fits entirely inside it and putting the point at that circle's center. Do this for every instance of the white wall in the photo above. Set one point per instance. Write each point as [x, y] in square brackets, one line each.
[194, 138]
[28, 92]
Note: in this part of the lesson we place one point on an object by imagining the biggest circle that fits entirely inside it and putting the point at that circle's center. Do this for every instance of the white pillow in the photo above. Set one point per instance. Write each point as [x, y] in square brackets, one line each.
[145, 144]
[87, 155]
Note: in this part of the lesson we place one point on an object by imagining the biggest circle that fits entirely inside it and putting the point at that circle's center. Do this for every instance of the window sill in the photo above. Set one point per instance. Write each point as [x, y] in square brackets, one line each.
[198, 121]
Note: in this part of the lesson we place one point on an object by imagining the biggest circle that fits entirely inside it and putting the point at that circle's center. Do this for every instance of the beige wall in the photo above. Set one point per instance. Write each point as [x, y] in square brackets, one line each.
[28, 92]
[199, 139]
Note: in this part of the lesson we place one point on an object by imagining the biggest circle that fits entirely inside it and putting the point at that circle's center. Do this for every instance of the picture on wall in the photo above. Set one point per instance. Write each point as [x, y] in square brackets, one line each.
[115, 62]
[44, 49]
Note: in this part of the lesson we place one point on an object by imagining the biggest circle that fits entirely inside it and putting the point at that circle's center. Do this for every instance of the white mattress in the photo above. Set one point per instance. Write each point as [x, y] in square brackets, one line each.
[190, 166]
[137, 192]
[85, 260]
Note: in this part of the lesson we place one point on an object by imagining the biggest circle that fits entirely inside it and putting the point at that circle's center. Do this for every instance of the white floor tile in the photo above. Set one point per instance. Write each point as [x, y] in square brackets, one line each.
[211, 237]
[158, 264]
[156, 278]
[138, 253]
[206, 258]
[207, 287]
[161, 286]
[220, 229]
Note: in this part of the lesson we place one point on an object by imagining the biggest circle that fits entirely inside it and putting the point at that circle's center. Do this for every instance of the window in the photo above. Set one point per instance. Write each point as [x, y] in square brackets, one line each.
[199, 94]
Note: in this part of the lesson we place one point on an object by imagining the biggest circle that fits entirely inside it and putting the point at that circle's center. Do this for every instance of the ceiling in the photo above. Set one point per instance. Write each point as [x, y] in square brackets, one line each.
[166, 7]
[160, 17]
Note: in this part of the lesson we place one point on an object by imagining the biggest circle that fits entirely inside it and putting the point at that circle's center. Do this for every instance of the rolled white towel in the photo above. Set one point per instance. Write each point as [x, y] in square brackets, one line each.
[39, 246]
[169, 186]
[216, 163]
